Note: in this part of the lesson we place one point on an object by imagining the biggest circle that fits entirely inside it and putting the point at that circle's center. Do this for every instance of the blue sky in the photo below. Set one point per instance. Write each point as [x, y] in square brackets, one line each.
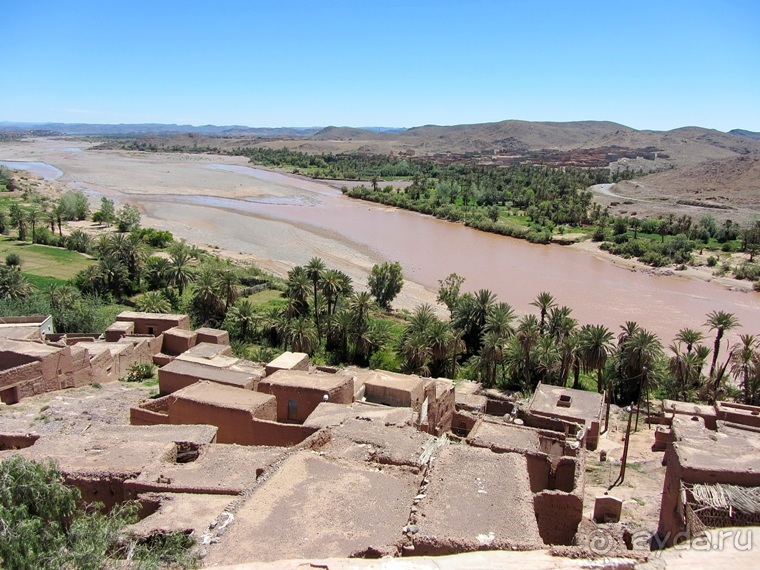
[648, 65]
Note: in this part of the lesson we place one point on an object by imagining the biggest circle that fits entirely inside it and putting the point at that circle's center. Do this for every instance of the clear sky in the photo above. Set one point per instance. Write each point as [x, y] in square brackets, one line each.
[649, 65]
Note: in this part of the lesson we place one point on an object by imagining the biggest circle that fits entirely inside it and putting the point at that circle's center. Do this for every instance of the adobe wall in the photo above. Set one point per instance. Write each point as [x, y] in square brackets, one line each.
[21, 382]
[462, 423]
[441, 402]
[106, 487]
[274, 434]
[150, 412]
[11, 359]
[177, 341]
[234, 425]
[739, 414]
[154, 324]
[558, 515]
[307, 398]
[102, 367]
[401, 396]
[213, 336]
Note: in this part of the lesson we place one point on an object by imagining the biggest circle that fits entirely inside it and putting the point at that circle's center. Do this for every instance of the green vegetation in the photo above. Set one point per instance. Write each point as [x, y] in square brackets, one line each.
[42, 527]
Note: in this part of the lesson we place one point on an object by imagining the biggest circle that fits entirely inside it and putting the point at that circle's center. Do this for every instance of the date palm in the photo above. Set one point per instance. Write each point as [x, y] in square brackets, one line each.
[720, 322]
[153, 302]
[298, 290]
[13, 285]
[689, 337]
[744, 358]
[315, 270]
[180, 271]
[227, 280]
[244, 318]
[595, 347]
[301, 335]
[544, 301]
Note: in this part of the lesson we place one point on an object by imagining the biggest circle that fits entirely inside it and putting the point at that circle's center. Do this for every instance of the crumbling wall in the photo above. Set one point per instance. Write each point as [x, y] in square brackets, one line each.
[558, 515]
[150, 412]
[277, 435]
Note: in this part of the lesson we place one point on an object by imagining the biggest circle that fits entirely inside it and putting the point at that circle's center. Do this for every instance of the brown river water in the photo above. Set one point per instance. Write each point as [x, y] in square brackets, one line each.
[429, 249]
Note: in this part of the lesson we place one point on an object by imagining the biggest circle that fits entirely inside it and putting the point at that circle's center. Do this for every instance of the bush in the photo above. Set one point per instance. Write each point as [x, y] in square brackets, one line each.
[138, 373]
[712, 261]
[13, 260]
[42, 527]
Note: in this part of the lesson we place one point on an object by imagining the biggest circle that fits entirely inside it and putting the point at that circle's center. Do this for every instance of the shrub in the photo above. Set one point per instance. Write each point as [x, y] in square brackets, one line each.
[712, 261]
[13, 260]
[138, 373]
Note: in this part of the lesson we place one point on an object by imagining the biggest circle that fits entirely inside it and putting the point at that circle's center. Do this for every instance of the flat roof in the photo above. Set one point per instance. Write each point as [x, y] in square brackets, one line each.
[475, 495]
[99, 346]
[504, 437]
[585, 405]
[95, 453]
[678, 407]
[305, 380]
[207, 371]
[219, 468]
[29, 348]
[181, 512]
[392, 380]
[288, 360]
[153, 316]
[373, 441]
[314, 507]
[727, 450]
[221, 395]
[330, 414]
[205, 351]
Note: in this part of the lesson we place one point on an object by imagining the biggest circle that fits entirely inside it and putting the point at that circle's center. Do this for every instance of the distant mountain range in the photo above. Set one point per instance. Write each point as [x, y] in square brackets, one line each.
[743, 133]
[172, 129]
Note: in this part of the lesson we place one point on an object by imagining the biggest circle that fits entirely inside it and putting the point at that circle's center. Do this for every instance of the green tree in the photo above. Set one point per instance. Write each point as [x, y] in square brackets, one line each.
[107, 211]
[74, 205]
[385, 283]
[13, 285]
[720, 322]
[127, 218]
[153, 302]
[448, 291]
[595, 347]
[544, 301]
[243, 319]
[315, 270]
[744, 361]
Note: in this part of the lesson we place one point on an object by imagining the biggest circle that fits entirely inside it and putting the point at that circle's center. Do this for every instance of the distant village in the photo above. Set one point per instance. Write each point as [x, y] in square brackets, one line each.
[288, 460]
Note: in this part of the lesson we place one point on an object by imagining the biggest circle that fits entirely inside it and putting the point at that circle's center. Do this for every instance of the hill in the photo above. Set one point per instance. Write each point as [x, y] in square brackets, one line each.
[743, 133]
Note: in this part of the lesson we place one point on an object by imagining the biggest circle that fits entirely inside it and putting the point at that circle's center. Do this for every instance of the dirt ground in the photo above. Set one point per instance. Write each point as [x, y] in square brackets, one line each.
[73, 411]
[641, 490]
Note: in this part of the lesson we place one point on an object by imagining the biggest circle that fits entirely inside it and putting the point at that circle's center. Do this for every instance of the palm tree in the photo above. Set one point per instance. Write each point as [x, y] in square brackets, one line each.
[244, 318]
[153, 302]
[302, 336]
[180, 273]
[743, 358]
[298, 289]
[639, 355]
[114, 274]
[331, 287]
[359, 306]
[315, 269]
[207, 301]
[595, 347]
[470, 317]
[33, 216]
[544, 301]
[13, 285]
[548, 360]
[527, 335]
[689, 337]
[720, 321]
[227, 280]
[417, 352]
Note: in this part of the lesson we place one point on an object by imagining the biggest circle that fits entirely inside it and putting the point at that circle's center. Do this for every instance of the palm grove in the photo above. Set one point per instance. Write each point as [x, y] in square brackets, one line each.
[318, 311]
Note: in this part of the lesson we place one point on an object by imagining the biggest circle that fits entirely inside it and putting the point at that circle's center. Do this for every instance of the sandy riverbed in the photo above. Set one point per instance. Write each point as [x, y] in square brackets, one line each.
[151, 180]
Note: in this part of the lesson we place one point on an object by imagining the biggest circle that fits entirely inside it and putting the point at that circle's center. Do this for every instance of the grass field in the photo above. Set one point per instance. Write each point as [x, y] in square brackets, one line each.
[267, 299]
[43, 264]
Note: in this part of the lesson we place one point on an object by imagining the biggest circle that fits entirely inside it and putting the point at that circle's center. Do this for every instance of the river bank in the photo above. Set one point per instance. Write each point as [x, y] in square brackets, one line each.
[279, 221]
